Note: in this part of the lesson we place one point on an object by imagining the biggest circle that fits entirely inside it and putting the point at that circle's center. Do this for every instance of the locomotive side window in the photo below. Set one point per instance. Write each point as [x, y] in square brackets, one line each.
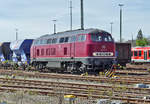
[140, 53]
[81, 38]
[54, 40]
[73, 39]
[49, 41]
[36, 42]
[61, 40]
[44, 41]
[41, 41]
[135, 53]
[66, 39]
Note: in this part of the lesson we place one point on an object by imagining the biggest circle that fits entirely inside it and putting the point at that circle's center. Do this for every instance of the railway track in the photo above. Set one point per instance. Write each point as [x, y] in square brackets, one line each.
[132, 72]
[79, 90]
[97, 91]
[97, 79]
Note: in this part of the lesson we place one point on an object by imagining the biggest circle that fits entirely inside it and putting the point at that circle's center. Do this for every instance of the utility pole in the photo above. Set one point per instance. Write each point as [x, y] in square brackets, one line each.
[82, 16]
[70, 14]
[132, 41]
[111, 23]
[16, 34]
[54, 26]
[121, 22]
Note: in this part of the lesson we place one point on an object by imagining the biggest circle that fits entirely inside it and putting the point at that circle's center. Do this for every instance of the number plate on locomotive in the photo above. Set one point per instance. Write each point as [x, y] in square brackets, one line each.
[103, 54]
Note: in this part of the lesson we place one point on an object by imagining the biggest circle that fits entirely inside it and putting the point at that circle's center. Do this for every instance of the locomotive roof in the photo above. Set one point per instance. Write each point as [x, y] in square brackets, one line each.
[73, 32]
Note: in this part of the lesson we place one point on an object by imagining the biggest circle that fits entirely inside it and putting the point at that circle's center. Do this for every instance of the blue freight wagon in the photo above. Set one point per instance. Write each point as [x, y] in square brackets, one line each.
[5, 51]
[21, 50]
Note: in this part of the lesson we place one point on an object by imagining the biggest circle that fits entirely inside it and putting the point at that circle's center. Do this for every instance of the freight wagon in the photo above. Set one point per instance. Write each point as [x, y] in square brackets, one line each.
[5, 51]
[123, 53]
[21, 50]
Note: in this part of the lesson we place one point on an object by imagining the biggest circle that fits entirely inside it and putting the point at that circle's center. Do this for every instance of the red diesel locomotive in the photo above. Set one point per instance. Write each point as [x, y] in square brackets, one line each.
[140, 54]
[76, 50]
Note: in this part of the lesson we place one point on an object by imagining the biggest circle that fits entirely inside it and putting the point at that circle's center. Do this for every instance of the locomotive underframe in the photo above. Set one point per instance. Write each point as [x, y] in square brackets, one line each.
[74, 64]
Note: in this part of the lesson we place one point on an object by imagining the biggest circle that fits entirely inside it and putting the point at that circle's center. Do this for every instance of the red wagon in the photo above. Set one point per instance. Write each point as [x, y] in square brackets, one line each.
[140, 54]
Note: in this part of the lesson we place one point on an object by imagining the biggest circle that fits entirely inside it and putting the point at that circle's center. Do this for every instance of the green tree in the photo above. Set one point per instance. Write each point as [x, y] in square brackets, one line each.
[140, 35]
[141, 42]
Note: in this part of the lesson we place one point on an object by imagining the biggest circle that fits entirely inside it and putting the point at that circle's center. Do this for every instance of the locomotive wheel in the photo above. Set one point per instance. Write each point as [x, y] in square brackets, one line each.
[82, 69]
[70, 68]
[41, 67]
[36, 67]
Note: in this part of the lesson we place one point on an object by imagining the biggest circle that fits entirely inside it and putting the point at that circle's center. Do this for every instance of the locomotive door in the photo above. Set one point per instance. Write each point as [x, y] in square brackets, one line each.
[145, 55]
[34, 52]
[72, 50]
[72, 47]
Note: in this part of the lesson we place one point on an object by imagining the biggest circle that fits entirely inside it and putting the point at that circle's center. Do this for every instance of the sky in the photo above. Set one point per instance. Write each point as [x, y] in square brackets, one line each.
[34, 18]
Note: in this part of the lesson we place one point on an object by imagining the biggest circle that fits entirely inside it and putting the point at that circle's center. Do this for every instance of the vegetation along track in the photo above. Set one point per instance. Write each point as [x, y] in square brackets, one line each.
[79, 90]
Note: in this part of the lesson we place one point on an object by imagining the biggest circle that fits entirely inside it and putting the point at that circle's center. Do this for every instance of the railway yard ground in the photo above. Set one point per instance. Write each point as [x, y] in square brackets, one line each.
[130, 86]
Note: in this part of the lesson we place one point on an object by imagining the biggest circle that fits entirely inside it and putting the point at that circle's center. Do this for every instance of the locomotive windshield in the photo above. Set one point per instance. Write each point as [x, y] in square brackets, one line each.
[99, 38]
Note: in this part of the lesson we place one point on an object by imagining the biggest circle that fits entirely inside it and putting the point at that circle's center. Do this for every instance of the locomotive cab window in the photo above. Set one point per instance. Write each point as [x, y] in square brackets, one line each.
[99, 38]
[107, 38]
[96, 38]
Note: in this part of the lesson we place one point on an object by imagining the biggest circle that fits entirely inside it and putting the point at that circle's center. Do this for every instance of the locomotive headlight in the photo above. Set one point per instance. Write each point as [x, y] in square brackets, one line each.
[103, 54]
[94, 54]
[111, 54]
